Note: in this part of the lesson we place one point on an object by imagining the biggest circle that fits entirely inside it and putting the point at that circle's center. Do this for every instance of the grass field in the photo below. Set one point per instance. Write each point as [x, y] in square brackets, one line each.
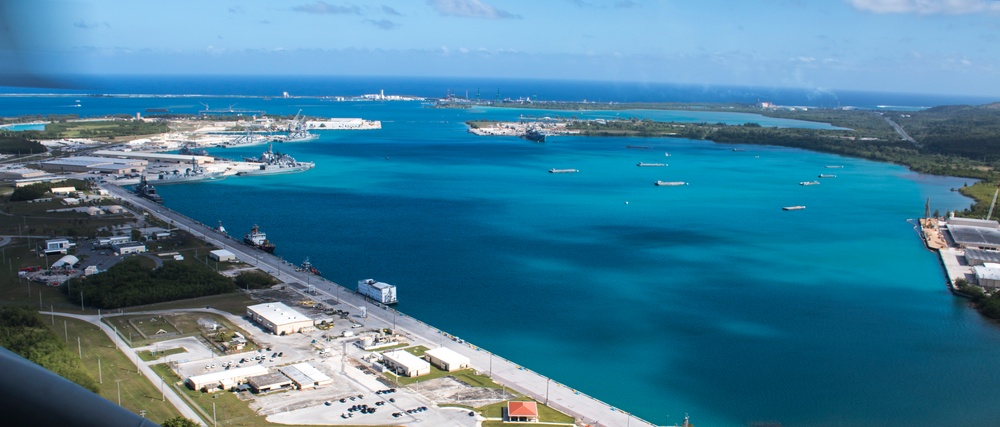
[149, 356]
[137, 393]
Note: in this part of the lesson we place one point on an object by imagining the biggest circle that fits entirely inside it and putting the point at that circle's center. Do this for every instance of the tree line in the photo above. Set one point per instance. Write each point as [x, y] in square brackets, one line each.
[129, 283]
[23, 333]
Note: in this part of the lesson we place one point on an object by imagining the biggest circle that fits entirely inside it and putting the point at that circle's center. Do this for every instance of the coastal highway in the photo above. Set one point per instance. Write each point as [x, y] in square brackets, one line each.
[523, 380]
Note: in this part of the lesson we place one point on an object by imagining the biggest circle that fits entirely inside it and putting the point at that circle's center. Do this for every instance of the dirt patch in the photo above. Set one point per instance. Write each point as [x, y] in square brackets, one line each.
[448, 390]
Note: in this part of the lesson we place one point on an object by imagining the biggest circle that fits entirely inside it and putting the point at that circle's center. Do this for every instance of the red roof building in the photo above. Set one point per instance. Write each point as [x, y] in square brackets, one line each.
[521, 412]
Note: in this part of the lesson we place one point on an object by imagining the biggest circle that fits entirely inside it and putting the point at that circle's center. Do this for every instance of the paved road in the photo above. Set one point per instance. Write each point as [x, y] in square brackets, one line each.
[516, 377]
[168, 392]
[901, 132]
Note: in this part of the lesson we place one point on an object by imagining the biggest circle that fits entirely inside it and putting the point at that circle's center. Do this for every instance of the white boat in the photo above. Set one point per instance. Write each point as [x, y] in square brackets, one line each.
[809, 183]
[562, 170]
[666, 154]
[793, 208]
[646, 165]
[835, 167]
[827, 175]
[670, 183]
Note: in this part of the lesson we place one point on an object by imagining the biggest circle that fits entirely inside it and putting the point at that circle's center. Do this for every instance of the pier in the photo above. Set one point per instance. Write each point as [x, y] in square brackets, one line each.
[586, 409]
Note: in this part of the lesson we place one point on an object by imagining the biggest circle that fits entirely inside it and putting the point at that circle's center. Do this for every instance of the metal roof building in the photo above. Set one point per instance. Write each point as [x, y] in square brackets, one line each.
[988, 275]
[446, 359]
[305, 375]
[155, 157]
[279, 318]
[975, 237]
[980, 257]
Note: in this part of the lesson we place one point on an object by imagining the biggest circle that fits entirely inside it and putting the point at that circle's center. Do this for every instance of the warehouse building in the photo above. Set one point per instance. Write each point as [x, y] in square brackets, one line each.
[378, 291]
[975, 236]
[154, 157]
[279, 318]
[405, 364]
[980, 257]
[305, 376]
[225, 380]
[128, 248]
[268, 382]
[988, 275]
[222, 255]
[93, 164]
[446, 359]
[57, 246]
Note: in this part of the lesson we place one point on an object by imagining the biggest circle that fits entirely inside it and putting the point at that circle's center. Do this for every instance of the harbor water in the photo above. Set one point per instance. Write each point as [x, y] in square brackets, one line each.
[705, 299]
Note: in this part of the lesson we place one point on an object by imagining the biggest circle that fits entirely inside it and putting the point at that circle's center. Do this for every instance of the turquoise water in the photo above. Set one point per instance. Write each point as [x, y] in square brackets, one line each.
[706, 299]
[23, 127]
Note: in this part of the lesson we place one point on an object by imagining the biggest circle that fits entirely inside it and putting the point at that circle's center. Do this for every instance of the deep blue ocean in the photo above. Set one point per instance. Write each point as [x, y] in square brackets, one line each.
[705, 299]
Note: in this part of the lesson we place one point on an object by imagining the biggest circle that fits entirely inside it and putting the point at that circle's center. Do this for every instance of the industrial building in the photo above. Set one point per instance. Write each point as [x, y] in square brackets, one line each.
[985, 236]
[268, 382]
[113, 240]
[446, 359]
[279, 318]
[57, 246]
[128, 248]
[66, 261]
[980, 257]
[222, 255]
[378, 291]
[405, 364]
[988, 275]
[94, 164]
[154, 157]
[225, 380]
[305, 376]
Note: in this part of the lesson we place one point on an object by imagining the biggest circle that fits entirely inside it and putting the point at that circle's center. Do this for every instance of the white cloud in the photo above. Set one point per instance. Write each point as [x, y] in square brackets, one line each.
[927, 7]
[470, 9]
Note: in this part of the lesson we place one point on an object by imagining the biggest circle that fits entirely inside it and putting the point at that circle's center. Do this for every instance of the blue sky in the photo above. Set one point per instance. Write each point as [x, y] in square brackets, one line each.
[920, 46]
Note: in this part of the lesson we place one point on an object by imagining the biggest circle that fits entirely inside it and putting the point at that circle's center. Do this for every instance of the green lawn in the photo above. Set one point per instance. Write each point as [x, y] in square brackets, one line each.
[137, 393]
[149, 356]
[545, 414]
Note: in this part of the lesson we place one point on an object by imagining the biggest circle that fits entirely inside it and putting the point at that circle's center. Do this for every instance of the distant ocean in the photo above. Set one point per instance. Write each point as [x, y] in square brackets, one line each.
[492, 88]
[705, 299]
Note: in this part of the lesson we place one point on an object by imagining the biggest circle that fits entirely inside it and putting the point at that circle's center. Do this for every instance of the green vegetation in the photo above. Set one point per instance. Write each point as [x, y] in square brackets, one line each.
[254, 279]
[15, 143]
[179, 422]
[23, 333]
[102, 129]
[987, 304]
[129, 283]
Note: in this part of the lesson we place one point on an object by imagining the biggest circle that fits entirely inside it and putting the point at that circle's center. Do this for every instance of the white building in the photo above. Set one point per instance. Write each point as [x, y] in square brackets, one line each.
[128, 248]
[113, 240]
[378, 291]
[446, 359]
[988, 275]
[66, 261]
[222, 255]
[279, 318]
[57, 246]
[224, 380]
[405, 364]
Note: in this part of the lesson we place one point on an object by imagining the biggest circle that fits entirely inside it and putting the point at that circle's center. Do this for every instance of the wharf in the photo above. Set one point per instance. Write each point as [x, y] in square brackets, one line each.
[952, 257]
[586, 409]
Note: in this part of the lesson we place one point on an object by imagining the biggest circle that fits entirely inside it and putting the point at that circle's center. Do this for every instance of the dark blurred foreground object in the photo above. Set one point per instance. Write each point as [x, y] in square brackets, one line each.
[34, 396]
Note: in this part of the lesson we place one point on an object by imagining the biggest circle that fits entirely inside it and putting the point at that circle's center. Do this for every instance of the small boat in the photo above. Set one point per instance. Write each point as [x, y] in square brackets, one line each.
[670, 183]
[739, 149]
[666, 154]
[646, 165]
[638, 147]
[809, 183]
[793, 208]
[563, 170]
[826, 175]
[309, 268]
[835, 167]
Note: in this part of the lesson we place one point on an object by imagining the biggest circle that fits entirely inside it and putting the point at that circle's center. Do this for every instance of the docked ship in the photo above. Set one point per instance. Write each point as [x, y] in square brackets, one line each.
[309, 268]
[258, 240]
[647, 165]
[809, 183]
[669, 183]
[146, 190]
[189, 150]
[193, 173]
[553, 170]
[275, 162]
[533, 134]
[793, 208]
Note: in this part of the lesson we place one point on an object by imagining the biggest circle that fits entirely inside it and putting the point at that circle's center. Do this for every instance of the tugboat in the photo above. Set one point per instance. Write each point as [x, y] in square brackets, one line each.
[308, 267]
[220, 229]
[533, 134]
[145, 189]
[258, 240]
